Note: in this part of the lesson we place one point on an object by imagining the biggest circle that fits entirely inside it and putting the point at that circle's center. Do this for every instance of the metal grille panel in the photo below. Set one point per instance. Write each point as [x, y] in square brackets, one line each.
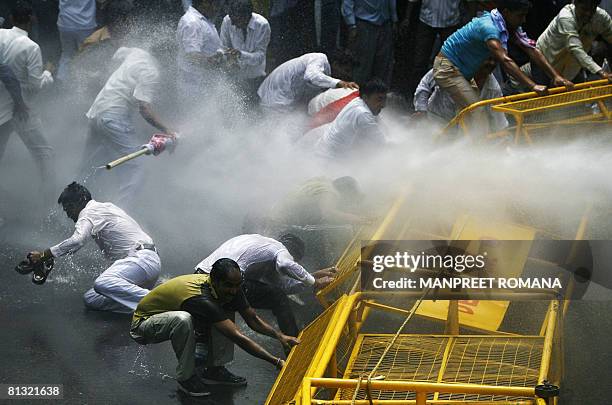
[488, 360]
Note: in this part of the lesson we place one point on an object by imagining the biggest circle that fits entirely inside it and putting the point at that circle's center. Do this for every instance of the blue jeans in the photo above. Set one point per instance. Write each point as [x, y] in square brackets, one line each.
[70, 40]
[111, 137]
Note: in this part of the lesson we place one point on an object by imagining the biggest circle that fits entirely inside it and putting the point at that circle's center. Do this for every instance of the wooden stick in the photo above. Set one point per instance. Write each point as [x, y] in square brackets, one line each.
[126, 158]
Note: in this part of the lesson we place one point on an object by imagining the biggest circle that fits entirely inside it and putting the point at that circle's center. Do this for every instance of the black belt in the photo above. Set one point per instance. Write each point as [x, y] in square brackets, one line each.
[148, 246]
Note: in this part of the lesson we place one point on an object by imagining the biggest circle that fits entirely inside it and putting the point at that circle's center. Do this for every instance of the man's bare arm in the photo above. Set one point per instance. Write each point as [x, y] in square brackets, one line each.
[255, 322]
[499, 54]
[536, 56]
[146, 111]
[230, 331]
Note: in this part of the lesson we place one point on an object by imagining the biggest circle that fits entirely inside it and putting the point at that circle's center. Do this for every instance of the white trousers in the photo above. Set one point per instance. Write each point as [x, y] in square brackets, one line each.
[121, 287]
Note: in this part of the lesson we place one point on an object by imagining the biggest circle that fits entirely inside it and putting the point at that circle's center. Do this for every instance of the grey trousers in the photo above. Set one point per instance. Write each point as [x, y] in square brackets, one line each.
[175, 326]
[373, 52]
[109, 138]
[178, 327]
[31, 134]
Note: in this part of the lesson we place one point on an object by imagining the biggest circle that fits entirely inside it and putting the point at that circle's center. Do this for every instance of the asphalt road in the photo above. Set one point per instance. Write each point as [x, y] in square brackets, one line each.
[47, 337]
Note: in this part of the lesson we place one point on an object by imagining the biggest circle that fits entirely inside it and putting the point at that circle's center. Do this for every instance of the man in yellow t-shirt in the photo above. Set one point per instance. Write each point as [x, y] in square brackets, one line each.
[178, 307]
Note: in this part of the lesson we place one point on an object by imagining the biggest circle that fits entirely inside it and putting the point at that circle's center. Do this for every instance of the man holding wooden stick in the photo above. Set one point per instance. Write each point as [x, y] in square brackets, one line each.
[130, 88]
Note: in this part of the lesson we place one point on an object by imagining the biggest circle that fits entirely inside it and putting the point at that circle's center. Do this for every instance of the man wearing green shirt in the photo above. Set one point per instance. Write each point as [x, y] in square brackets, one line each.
[196, 302]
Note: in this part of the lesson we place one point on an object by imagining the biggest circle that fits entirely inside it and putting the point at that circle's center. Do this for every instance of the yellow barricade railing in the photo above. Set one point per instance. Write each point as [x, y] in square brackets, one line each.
[460, 118]
[470, 368]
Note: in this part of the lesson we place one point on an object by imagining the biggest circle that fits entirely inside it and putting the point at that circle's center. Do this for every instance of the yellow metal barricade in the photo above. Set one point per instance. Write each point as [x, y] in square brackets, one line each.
[586, 104]
[348, 357]
[413, 368]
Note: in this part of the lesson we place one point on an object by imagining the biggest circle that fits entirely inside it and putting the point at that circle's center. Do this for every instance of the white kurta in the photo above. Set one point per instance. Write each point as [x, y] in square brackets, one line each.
[195, 34]
[253, 47]
[136, 79]
[23, 56]
[324, 99]
[355, 127]
[135, 270]
[290, 82]
[250, 250]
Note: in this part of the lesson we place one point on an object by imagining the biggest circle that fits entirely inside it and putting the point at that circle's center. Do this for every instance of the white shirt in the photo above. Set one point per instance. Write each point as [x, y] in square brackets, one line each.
[253, 249]
[326, 98]
[77, 14]
[356, 126]
[115, 232]
[136, 79]
[290, 82]
[195, 33]
[430, 98]
[253, 48]
[23, 56]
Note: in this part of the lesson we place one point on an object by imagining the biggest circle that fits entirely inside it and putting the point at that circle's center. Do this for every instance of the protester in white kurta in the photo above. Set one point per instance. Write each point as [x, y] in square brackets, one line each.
[130, 89]
[430, 99]
[326, 98]
[298, 80]
[355, 127]
[252, 47]
[199, 46]
[250, 250]
[271, 272]
[136, 265]
[23, 57]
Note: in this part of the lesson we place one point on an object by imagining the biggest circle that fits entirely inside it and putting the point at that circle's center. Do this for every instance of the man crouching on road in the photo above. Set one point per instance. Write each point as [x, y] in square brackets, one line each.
[136, 265]
[177, 308]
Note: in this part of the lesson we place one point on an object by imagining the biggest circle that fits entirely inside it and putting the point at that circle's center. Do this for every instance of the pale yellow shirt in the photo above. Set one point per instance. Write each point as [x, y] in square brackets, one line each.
[566, 43]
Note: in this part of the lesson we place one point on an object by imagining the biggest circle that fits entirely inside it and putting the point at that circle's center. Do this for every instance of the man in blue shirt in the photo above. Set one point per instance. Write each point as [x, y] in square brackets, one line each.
[371, 25]
[487, 36]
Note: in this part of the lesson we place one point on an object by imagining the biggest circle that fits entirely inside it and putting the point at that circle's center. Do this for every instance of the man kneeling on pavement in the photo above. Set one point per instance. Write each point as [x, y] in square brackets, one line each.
[203, 305]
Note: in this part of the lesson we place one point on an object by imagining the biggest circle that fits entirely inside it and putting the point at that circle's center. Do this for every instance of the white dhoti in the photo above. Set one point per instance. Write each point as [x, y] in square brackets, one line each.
[121, 287]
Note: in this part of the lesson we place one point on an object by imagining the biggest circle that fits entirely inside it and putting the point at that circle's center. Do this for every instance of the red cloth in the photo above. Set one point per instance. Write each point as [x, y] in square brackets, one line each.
[329, 113]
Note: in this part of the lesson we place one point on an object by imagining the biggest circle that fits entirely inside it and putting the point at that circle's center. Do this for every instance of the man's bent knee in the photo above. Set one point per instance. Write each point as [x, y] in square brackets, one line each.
[182, 321]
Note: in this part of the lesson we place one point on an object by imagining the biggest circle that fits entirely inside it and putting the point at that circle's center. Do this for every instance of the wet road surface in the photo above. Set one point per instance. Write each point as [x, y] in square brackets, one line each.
[47, 337]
